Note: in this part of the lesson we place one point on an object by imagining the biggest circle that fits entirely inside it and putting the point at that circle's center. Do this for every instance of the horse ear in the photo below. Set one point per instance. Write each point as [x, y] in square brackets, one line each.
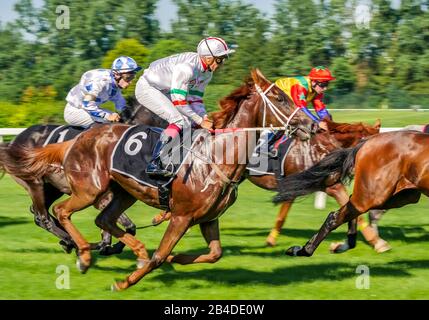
[259, 78]
[377, 124]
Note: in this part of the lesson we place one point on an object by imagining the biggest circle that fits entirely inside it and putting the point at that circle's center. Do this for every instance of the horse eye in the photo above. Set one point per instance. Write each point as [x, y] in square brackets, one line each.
[280, 98]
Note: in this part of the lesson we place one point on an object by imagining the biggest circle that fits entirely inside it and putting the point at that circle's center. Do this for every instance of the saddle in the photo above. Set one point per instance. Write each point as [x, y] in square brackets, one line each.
[273, 162]
[133, 153]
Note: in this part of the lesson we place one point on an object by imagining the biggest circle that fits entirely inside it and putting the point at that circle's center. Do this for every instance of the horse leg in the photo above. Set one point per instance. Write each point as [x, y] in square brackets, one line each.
[105, 246]
[42, 196]
[210, 231]
[109, 216]
[370, 231]
[64, 210]
[51, 194]
[345, 214]
[281, 218]
[339, 193]
[161, 217]
[175, 230]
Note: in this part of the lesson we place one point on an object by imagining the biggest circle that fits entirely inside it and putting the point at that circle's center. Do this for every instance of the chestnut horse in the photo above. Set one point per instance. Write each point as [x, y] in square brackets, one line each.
[304, 154]
[200, 193]
[390, 170]
[45, 191]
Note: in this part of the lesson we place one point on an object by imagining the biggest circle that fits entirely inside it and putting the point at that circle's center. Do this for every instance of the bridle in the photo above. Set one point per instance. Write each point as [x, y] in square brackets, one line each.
[276, 111]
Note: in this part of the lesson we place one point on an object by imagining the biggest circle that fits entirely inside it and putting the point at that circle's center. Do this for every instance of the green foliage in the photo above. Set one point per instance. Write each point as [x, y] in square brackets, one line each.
[166, 47]
[385, 61]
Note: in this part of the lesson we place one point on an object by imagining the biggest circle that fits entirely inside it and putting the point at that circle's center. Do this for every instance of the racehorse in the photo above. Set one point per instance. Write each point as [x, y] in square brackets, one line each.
[51, 187]
[303, 154]
[200, 193]
[390, 170]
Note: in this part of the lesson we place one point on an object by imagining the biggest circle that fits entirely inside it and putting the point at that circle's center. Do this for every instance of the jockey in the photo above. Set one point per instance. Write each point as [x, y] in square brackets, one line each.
[303, 90]
[173, 88]
[97, 87]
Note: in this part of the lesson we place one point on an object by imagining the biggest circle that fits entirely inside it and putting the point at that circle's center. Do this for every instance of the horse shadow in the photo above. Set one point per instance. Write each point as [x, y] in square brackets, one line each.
[293, 274]
[291, 233]
[7, 221]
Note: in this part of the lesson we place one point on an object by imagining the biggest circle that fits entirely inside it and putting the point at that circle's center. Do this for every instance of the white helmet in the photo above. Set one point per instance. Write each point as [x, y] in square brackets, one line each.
[213, 47]
[125, 64]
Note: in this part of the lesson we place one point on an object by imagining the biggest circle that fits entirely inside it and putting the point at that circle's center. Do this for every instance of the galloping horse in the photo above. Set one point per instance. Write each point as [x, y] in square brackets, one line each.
[200, 193]
[44, 191]
[390, 171]
[304, 154]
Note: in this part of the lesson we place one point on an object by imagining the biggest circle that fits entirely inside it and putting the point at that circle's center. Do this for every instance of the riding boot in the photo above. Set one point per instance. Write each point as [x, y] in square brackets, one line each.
[155, 168]
[265, 144]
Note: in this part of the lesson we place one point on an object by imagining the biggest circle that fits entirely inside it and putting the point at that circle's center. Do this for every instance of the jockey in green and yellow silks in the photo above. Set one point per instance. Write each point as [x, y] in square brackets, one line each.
[305, 89]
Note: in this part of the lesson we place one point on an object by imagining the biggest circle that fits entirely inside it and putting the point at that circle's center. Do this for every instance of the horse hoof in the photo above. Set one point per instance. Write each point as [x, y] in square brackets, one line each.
[270, 242]
[382, 246]
[83, 268]
[119, 286]
[293, 251]
[338, 247]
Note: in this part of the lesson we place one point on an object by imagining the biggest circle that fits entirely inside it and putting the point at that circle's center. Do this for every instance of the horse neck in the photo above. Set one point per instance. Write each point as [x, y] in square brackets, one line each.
[346, 140]
[246, 116]
[304, 154]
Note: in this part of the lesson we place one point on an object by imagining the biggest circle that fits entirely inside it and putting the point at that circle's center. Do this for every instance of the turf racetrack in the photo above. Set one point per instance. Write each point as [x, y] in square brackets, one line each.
[30, 256]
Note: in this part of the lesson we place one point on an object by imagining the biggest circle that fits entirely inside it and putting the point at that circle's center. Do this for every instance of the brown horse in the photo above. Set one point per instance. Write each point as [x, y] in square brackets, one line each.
[46, 190]
[302, 155]
[390, 171]
[200, 193]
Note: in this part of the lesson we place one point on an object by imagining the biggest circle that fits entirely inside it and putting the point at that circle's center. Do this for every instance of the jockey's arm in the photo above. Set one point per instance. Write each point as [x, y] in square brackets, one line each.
[299, 97]
[119, 101]
[320, 107]
[179, 92]
[89, 103]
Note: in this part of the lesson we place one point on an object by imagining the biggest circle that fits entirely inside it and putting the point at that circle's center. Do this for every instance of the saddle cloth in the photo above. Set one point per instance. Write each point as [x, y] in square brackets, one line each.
[133, 152]
[275, 165]
[63, 133]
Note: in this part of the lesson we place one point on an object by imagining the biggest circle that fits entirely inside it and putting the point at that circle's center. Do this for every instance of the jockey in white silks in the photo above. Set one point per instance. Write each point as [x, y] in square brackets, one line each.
[173, 88]
[97, 87]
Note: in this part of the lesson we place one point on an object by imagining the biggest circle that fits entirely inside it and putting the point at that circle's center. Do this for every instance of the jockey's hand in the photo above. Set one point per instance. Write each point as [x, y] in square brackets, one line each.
[207, 123]
[323, 125]
[113, 117]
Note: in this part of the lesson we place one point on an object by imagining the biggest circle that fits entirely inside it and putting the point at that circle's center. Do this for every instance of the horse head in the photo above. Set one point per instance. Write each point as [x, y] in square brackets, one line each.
[350, 134]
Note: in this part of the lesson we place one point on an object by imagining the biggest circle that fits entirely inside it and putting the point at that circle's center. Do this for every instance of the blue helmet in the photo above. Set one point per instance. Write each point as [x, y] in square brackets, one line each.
[125, 64]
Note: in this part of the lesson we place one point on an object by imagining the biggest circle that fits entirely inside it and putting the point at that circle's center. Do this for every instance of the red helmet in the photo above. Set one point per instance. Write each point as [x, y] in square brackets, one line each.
[320, 73]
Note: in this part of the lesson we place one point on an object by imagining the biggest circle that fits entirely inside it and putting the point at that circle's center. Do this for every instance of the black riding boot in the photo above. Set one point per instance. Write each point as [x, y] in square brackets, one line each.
[155, 168]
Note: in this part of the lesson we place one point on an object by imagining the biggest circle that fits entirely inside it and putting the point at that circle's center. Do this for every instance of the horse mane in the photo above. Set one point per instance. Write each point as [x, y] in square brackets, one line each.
[336, 127]
[230, 104]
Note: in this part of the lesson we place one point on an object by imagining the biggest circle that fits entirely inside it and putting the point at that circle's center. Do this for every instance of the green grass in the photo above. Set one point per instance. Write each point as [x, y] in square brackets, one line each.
[29, 256]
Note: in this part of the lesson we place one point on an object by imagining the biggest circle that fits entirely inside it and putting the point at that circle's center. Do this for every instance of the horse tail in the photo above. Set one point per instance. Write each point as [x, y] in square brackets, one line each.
[335, 167]
[28, 163]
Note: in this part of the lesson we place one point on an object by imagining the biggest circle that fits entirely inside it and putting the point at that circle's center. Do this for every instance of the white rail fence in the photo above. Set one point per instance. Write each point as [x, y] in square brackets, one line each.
[319, 200]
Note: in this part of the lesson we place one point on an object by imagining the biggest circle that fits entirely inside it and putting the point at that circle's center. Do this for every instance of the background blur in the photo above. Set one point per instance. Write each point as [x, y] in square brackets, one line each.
[378, 50]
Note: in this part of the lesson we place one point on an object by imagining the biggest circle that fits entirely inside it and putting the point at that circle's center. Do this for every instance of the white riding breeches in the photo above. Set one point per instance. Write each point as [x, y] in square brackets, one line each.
[159, 103]
[78, 117]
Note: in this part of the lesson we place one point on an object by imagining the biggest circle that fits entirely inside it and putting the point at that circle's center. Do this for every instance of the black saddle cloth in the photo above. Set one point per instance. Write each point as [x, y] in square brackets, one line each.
[133, 152]
[63, 133]
[259, 165]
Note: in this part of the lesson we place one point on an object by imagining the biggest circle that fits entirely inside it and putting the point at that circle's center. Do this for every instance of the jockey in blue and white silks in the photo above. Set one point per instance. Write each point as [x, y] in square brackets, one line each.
[97, 87]
[173, 88]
